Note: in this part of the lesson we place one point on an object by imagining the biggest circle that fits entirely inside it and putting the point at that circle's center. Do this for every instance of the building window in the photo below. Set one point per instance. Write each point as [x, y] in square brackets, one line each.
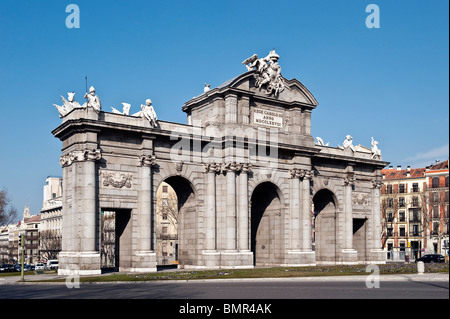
[389, 232]
[164, 216]
[414, 216]
[390, 217]
[402, 231]
[390, 202]
[435, 182]
[165, 202]
[415, 230]
[436, 211]
[165, 189]
[401, 202]
[415, 187]
[401, 216]
[389, 189]
[401, 188]
[415, 201]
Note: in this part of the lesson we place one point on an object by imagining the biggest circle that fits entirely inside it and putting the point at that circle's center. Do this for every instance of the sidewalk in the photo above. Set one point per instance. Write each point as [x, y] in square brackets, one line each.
[31, 279]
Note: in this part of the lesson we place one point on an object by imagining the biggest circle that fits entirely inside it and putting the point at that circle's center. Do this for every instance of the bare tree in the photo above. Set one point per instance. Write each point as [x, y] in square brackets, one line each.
[50, 244]
[7, 212]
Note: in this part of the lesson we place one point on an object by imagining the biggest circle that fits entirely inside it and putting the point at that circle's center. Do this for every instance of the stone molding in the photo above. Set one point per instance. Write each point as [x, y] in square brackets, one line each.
[221, 168]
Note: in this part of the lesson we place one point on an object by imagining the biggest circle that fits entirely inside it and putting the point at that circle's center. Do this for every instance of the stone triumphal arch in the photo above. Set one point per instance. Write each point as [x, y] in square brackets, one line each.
[253, 186]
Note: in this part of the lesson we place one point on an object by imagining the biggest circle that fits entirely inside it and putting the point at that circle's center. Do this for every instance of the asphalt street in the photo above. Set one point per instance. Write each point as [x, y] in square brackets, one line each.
[433, 286]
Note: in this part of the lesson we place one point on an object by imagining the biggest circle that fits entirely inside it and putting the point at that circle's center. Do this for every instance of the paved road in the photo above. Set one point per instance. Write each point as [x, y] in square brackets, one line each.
[403, 287]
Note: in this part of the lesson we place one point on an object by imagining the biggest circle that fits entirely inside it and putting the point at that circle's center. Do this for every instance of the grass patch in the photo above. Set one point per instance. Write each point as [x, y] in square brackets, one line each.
[272, 272]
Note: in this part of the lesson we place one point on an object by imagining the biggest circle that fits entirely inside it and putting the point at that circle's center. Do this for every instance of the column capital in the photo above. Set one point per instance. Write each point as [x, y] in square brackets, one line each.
[376, 183]
[80, 156]
[349, 181]
[211, 167]
[301, 173]
[147, 160]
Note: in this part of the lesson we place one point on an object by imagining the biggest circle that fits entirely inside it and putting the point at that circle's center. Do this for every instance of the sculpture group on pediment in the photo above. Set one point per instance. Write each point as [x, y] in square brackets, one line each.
[268, 72]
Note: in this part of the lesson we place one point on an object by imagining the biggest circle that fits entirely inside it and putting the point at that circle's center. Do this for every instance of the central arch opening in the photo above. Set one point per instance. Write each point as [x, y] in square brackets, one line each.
[266, 225]
[176, 221]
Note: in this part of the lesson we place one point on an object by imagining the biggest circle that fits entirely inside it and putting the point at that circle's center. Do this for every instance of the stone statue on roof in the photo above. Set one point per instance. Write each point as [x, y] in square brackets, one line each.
[68, 105]
[269, 72]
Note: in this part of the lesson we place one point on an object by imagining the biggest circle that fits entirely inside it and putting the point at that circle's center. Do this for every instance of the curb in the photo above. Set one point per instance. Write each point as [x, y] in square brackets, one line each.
[362, 278]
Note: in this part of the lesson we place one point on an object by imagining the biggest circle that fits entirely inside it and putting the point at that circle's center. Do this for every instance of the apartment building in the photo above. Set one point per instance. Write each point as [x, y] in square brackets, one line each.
[437, 219]
[403, 203]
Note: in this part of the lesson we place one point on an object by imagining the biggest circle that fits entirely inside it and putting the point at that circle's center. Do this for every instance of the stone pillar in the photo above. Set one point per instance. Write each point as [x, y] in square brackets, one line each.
[231, 108]
[210, 212]
[348, 226]
[300, 251]
[349, 255]
[244, 105]
[243, 211]
[230, 243]
[306, 212]
[377, 255]
[88, 209]
[295, 243]
[80, 252]
[144, 260]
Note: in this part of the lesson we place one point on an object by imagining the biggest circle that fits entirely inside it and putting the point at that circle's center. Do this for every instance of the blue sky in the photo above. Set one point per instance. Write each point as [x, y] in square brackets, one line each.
[390, 83]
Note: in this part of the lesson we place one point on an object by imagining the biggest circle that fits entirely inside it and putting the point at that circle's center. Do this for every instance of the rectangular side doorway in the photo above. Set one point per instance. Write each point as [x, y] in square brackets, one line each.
[116, 241]
[359, 238]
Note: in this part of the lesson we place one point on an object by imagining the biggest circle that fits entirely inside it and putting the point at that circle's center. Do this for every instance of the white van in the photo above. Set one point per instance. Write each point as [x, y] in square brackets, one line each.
[52, 264]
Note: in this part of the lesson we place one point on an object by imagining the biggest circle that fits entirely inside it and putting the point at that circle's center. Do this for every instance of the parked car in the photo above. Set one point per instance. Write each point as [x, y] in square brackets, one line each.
[431, 258]
[39, 266]
[7, 268]
[2, 268]
[17, 267]
[52, 264]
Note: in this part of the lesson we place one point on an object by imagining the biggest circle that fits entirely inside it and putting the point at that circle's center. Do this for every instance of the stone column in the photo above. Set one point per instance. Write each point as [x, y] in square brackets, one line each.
[230, 243]
[144, 260]
[88, 209]
[243, 211]
[377, 255]
[294, 222]
[306, 212]
[145, 204]
[300, 252]
[210, 214]
[349, 255]
[348, 226]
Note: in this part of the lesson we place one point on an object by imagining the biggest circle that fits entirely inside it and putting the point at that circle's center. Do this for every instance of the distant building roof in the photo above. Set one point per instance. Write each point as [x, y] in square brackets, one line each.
[33, 219]
[409, 173]
[438, 166]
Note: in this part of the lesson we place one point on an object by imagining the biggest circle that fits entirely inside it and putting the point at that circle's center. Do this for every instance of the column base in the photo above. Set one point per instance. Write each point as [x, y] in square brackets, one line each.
[348, 257]
[237, 259]
[79, 263]
[142, 261]
[377, 256]
[232, 259]
[297, 258]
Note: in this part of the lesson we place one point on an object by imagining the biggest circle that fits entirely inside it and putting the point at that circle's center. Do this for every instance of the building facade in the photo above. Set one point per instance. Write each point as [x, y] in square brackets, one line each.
[403, 207]
[252, 186]
[438, 199]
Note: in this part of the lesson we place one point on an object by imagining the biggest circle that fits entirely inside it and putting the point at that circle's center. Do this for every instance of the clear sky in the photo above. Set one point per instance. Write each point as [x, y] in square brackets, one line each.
[389, 82]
